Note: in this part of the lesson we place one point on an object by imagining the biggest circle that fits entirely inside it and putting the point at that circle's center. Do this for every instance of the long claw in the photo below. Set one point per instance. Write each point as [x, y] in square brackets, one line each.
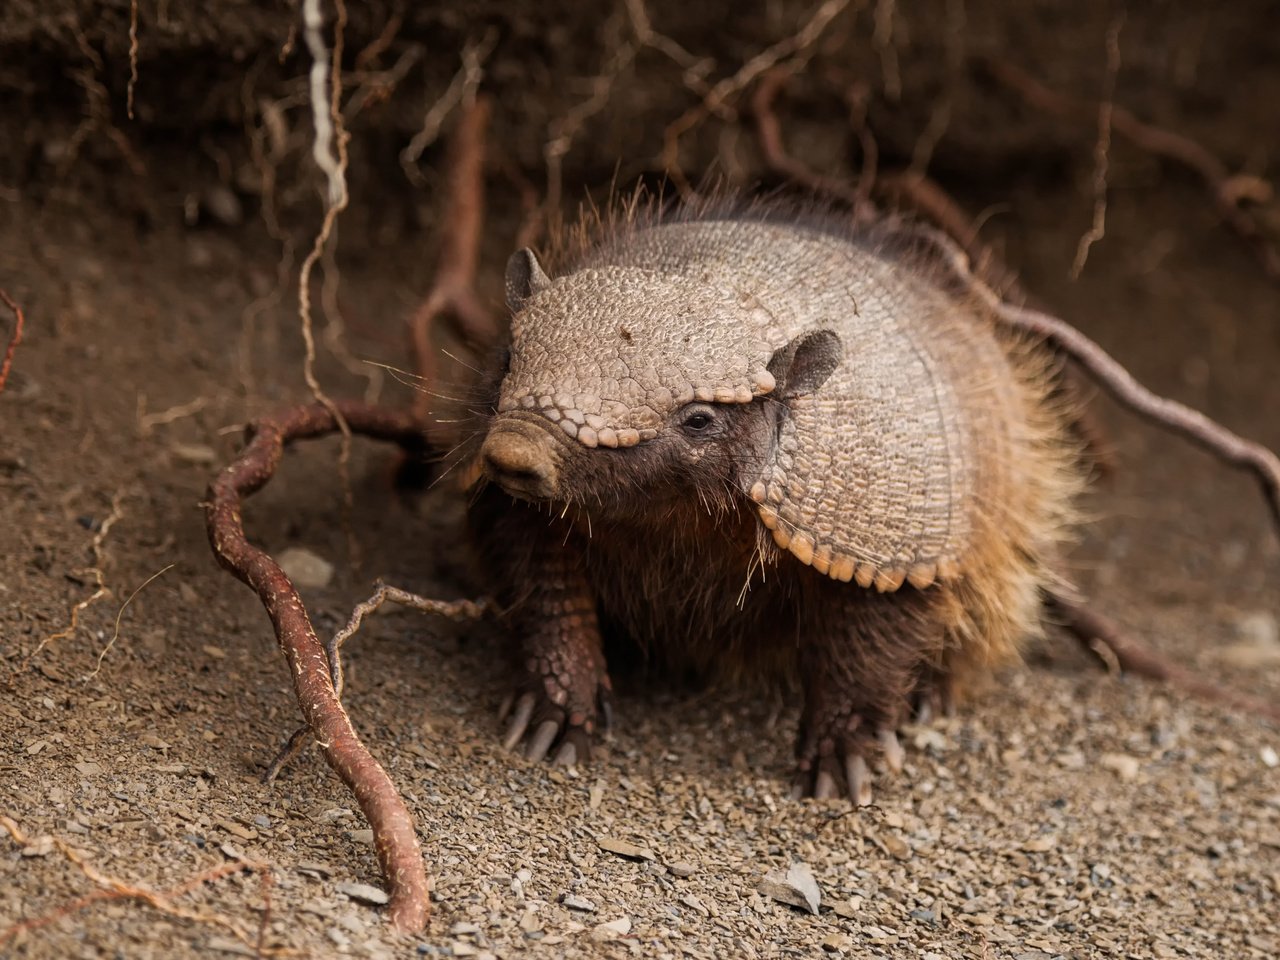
[894, 757]
[824, 787]
[566, 756]
[924, 711]
[504, 710]
[606, 711]
[519, 721]
[542, 740]
[859, 777]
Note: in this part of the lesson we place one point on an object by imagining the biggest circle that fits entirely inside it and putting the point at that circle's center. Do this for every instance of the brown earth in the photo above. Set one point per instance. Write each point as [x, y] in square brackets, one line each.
[1064, 813]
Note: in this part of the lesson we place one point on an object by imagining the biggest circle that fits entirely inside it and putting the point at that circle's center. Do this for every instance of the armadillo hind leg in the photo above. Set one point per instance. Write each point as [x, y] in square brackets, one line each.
[860, 674]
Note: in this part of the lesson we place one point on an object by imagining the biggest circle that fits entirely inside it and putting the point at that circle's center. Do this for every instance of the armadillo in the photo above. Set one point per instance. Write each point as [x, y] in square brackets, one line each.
[765, 442]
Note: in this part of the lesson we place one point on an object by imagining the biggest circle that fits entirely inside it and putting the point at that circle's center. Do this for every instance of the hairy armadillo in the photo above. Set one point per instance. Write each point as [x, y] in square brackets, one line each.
[748, 439]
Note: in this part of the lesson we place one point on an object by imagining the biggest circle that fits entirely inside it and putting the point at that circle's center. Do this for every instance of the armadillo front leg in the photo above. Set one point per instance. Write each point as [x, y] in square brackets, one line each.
[859, 676]
[566, 686]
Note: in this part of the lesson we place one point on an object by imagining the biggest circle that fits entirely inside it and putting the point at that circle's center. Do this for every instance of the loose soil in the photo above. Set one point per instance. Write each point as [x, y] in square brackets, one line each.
[1066, 812]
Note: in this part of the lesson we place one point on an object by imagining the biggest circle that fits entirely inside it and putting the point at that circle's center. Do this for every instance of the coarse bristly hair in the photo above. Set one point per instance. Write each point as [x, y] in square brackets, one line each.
[677, 557]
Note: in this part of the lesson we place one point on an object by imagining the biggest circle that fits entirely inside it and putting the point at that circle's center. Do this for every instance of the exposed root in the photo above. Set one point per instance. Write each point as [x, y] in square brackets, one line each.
[915, 191]
[452, 293]
[149, 421]
[774, 151]
[115, 635]
[456, 610]
[133, 57]
[719, 98]
[113, 888]
[330, 153]
[396, 843]
[1108, 642]
[1120, 383]
[1229, 191]
[99, 581]
[1098, 228]
[97, 109]
[462, 88]
[15, 338]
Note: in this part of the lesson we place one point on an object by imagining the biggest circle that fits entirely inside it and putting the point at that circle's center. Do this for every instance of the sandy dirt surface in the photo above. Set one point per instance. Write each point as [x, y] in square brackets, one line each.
[1065, 813]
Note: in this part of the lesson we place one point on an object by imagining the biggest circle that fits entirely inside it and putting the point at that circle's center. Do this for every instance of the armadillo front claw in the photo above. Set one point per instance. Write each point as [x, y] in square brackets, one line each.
[540, 729]
[894, 756]
[520, 718]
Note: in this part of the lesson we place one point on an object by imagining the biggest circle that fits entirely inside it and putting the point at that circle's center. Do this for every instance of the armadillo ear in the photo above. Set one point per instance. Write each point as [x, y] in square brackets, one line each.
[804, 364]
[525, 277]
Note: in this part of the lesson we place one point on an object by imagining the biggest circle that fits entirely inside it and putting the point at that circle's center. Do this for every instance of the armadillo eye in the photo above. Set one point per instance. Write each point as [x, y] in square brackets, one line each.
[698, 420]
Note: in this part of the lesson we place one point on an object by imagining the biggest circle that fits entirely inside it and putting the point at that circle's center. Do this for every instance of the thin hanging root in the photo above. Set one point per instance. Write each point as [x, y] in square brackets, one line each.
[395, 842]
[453, 293]
[15, 338]
[1119, 382]
[1229, 191]
[1130, 656]
[456, 610]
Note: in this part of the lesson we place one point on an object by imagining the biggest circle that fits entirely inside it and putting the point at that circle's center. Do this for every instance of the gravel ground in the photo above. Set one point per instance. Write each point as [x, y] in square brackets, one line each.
[1064, 813]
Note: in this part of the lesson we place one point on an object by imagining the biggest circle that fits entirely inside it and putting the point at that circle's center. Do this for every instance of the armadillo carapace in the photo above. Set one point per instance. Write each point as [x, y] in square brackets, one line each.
[750, 440]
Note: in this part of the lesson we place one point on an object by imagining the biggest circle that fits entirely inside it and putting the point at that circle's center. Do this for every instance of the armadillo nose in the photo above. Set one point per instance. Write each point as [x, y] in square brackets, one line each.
[520, 464]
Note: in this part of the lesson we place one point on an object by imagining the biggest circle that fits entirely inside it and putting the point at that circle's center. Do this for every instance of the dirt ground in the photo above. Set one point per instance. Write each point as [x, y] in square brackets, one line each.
[1065, 813]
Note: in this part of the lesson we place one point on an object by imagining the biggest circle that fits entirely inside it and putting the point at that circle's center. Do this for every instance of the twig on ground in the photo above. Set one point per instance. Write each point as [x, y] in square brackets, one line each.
[456, 610]
[115, 635]
[113, 888]
[15, 338]
[452, 293]
[1098, 228]
[718, 98]
[1229, 191]
[396, 844]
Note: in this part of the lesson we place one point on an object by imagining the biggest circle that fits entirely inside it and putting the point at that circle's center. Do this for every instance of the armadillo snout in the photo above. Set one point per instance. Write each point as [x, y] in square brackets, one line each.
[520, 461]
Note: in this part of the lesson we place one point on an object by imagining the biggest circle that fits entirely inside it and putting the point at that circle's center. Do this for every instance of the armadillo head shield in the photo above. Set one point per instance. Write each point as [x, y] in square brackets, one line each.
[610, 353]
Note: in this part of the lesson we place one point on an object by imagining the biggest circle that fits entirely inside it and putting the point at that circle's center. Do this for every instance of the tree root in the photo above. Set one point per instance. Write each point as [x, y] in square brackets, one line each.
[1229, 191]
[452, 293]
[456, 610]
[1109, 374]
[15, 338]
[1121, 652]
[395, 841]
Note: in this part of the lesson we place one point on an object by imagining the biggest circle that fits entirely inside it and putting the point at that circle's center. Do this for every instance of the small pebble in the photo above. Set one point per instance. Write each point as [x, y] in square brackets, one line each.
[1121, 764]
[364, 893]
[622, 848]
[612, 929]
[305, 568]
[574, 902]
[796, 887]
